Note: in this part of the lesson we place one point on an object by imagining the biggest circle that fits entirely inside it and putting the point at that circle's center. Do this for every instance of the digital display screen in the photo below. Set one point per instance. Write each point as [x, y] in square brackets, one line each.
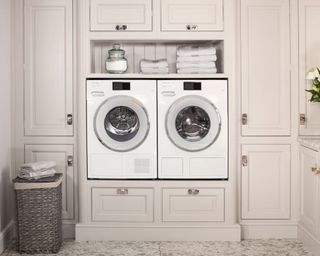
[121, 86]
[192, 86]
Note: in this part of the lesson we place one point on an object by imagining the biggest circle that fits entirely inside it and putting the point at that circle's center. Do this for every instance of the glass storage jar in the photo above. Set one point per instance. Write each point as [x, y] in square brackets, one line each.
[116, 63]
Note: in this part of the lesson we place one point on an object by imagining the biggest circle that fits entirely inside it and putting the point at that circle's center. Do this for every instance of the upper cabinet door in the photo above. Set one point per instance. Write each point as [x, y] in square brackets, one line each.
[265, 67]
[121, 15]
[191, 15]
[309, 57]
[48, 84]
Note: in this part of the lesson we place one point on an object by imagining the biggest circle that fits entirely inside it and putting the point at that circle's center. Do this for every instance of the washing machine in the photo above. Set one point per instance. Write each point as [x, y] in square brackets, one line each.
[193, 129]
[121, 129]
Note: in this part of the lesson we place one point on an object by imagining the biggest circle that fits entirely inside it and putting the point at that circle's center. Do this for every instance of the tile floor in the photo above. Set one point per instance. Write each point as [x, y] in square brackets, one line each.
[273, 247]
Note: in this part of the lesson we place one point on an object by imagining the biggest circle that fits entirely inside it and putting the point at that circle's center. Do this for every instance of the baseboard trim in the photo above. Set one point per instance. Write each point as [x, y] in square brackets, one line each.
[7, 235]
[266, 231]
[97, 233]
[68, 231]
[311, 243]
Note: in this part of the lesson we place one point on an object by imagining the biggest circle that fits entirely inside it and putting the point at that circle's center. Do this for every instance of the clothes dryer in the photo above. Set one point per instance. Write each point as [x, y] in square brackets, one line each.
[193, 129]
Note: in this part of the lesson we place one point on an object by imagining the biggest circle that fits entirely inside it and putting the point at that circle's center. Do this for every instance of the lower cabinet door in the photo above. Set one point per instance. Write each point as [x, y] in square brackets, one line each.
[265, 182]
[193, 204]
[122, 204]
[62, 155]
[309, 190]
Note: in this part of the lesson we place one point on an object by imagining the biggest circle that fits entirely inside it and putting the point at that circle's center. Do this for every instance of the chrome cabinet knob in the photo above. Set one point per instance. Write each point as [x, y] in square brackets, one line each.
[191, 27]
[121, 27]
[122, 191]
[192, 191]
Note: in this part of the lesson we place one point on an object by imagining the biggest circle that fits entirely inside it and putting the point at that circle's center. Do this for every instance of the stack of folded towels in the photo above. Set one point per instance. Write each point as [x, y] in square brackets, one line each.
[196, 59]
[154, 66]
[37, 170]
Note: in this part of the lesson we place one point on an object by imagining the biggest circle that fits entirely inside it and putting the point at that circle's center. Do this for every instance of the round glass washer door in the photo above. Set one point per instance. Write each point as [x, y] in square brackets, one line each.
[193, 123]
[121, 123]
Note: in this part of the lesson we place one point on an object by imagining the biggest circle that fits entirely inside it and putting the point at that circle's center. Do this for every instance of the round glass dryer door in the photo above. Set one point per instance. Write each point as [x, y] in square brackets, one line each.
[121, 123]
[193, 123]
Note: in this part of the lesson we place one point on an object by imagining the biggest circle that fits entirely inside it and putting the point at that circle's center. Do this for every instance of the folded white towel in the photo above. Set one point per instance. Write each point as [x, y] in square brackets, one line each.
[211, 57]
[210, 64]
[196, 50]
[155, 70]
[161, 63]
[36, 174]
[37, 166]
[197, 70]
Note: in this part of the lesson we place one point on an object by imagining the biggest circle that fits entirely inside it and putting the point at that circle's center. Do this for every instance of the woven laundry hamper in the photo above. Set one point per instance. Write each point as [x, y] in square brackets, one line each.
[39, 214]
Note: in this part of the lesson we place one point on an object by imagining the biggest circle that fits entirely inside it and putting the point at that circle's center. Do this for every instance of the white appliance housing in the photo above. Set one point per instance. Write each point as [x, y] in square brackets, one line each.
[121, 129]
[193, 129]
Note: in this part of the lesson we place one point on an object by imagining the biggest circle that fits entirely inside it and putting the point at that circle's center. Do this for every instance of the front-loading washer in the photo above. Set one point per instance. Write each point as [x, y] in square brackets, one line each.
[193, 129]
[121, 129]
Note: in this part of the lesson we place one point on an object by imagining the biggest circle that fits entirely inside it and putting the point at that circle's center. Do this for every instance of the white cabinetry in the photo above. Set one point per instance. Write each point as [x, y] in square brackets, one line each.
[265, 180]
[310, 189]
[193, 204]
[309, 57]
[309, 226]
[48, 67]
[122, 204]
[184, 15]
[265, 67]
[63, 156]
[121, 15]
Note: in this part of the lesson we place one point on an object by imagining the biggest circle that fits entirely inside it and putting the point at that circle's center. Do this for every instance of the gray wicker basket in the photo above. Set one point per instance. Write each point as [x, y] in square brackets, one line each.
[39, 214]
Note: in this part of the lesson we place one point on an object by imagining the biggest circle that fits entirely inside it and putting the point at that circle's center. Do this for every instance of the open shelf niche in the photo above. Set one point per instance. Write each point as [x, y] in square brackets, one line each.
[137, 50]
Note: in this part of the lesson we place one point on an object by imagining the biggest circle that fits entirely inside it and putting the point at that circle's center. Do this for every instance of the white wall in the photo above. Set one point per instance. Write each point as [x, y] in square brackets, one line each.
[6, 194]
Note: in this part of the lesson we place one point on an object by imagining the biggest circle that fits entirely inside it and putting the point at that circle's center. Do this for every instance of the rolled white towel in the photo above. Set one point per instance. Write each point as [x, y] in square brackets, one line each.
[36, 174]
[211, 57]
[37, 166]
[197, 70]
[155, 70]
[161, 63]
[196, 50]
[210, 64]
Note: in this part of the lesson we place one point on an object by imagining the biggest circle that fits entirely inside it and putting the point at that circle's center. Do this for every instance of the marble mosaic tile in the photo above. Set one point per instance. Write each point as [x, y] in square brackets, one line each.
[272, 247]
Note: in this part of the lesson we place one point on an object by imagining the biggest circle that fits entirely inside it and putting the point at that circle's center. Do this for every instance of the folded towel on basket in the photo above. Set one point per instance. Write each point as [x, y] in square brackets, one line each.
[211, 64]
[196, 50]
[37, 166]
[197, 70]
[34, 175]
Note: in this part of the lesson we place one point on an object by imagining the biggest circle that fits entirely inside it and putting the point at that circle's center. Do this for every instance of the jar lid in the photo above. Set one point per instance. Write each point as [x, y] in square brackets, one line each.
[116, 51]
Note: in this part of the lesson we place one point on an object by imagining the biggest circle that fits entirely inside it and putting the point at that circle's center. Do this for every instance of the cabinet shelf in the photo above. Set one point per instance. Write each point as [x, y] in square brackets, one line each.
[137, 50]
[158, 76]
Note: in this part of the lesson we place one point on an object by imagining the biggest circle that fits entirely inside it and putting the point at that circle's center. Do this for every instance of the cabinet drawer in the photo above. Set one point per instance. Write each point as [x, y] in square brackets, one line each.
[190, 15]
[121, 15]
[193, 204]
[122, 204]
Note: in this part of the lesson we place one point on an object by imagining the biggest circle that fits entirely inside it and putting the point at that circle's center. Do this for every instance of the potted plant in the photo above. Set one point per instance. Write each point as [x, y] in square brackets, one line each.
[314, 76]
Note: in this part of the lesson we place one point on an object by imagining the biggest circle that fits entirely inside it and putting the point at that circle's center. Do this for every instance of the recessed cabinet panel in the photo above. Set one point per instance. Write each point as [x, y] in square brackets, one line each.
[48, 67]
[309, 56]
[122, 204]
[309, 190]
[121, 15]
[191, 15]
[193, 204]
[60, 154]
[265, 183]
[265, 67]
